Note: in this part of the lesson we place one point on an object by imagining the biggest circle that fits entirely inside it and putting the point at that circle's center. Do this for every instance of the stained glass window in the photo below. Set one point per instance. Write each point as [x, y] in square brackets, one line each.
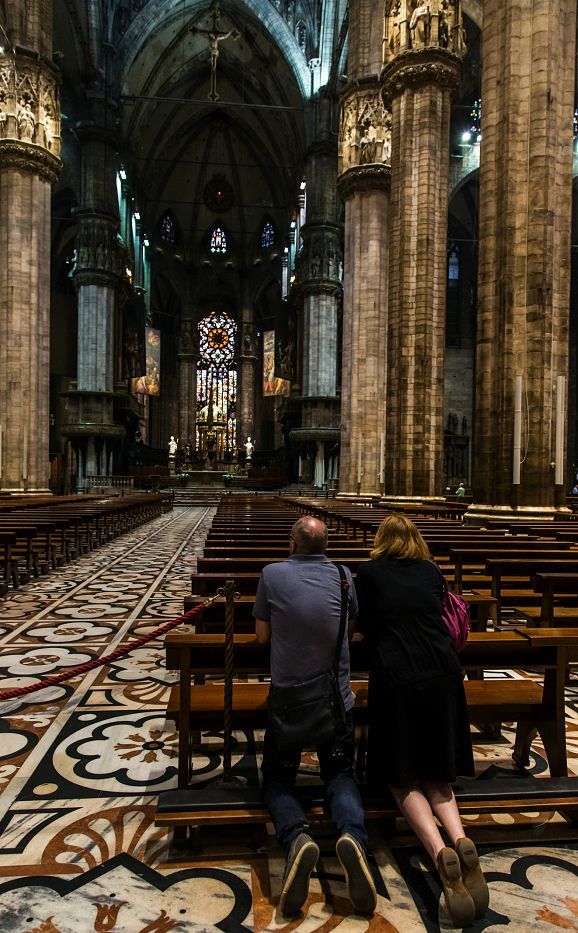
[453, 265]
[168, 232]
[268, 235]
[217, 373]
[218, 240]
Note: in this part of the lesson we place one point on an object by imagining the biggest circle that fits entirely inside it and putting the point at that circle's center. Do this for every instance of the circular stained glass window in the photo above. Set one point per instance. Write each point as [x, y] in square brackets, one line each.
[217, 338]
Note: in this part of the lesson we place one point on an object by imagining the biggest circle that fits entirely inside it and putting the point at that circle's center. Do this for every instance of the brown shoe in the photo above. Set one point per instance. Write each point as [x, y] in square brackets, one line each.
[458, 900]
[473, 875]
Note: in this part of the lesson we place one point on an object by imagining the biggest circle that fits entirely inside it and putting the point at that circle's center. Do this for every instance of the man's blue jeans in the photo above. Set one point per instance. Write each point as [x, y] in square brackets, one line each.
[342, 794]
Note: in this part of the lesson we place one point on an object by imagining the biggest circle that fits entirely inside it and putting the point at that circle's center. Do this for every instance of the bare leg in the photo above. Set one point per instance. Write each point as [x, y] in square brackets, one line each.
[442, 801]
[415, 807]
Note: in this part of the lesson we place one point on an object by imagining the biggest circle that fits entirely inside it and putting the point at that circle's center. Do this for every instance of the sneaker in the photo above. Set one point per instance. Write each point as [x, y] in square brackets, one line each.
[459, 902]
[360, 886]
[301, 861]
[473, 875]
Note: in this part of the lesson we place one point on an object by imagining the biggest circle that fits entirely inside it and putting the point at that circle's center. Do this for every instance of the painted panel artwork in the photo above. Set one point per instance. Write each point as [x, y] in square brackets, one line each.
[150, 383]
[271, 384]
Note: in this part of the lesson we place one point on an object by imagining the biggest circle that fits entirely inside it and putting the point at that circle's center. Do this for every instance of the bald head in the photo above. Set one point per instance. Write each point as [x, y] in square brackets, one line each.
[309, 535]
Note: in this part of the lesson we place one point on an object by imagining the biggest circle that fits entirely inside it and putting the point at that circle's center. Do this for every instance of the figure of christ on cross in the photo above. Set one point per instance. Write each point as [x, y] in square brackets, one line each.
[215, 36]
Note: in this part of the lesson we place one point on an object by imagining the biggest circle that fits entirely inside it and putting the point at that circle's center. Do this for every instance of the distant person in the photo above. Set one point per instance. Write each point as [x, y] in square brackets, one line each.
[298, 610]
[419, 733]
[461, 490]
[575, 489]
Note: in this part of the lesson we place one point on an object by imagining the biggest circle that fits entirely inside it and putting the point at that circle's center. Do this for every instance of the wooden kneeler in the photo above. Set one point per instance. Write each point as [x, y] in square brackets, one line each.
[228, 792]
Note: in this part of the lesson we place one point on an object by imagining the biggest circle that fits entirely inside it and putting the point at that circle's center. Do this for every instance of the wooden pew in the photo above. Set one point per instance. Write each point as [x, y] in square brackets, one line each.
[533, 708]
[475, 557]
[553, 587]
[482, 609]
[525, 568]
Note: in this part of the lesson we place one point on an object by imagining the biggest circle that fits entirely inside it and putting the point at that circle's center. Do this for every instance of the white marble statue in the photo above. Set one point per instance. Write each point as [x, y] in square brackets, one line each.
[249, 448]
[173, 446]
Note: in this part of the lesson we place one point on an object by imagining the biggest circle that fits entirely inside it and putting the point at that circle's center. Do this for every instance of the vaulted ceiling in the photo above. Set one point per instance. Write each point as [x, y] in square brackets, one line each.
[150, 61]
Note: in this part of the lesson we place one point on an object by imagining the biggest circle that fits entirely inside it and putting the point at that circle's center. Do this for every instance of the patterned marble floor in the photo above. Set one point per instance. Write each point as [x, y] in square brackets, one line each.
[81, 765]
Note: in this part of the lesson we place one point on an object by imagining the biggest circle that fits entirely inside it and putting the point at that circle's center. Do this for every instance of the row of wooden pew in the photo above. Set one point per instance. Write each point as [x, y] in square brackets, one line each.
[40, 533]
[248, 533]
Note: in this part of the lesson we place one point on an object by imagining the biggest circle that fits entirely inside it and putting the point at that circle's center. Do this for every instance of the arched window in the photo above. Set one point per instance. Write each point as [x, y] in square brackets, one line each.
[168, 230]
[217, 373]
[218, 240]
[267, 236]
[301, 33]
[453, 324]
[453, 266]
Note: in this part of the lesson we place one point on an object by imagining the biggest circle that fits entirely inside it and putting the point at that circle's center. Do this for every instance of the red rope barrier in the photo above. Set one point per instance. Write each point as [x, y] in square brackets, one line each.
[105, 659]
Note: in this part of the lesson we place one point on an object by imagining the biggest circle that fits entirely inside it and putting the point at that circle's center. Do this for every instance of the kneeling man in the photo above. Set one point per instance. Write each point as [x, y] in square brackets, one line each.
[298, 609]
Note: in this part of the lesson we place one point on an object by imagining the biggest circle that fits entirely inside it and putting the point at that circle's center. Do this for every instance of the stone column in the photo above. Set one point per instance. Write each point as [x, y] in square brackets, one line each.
[422, 68]
[363, 183]
[91, 426]
[320, 296]
[29, 166]
[188, 358]
[524, 250]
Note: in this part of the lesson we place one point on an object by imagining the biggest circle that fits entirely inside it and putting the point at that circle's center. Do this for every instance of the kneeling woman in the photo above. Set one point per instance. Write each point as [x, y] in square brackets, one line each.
[419, 733]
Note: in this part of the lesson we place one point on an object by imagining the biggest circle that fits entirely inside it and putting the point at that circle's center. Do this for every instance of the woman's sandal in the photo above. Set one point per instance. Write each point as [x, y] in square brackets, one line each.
[473, 875]
[459, 901]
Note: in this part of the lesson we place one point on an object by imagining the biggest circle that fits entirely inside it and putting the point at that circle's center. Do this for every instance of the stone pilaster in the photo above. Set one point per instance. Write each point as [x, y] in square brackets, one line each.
[418, 81]
[91, 426]
[187, 359]
[524, 250]
[29, 166]
[363, 183]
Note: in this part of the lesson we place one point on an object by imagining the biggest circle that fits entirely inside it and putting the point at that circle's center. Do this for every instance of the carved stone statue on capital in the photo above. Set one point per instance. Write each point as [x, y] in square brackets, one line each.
[26, 121]
[2, 123]
[367, 145]
[420, 24]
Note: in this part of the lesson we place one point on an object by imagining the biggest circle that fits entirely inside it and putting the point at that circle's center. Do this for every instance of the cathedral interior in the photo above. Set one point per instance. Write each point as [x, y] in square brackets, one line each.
[328, 247]
[366, 266]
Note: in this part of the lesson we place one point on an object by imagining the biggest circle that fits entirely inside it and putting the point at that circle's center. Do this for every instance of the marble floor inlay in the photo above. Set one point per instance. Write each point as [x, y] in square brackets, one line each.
[82, 763]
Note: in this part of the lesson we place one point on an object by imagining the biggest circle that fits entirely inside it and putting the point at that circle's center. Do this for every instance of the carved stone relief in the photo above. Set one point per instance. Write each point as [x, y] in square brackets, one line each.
[29, 105]
[97, 247]
[415, 24]
[322, 259]
[365, 130]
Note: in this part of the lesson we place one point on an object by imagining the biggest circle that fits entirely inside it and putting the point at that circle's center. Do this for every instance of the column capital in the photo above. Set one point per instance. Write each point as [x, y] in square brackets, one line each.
[29, 158]
[96, 277]
[98, 256]
[30, 115]
[364, 126]
[415, 68]
[320, 262]
[363, 178]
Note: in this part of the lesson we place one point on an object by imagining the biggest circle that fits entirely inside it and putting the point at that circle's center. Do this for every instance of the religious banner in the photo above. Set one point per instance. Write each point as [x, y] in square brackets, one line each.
[285, 341]
[272, 385]
[133, 337]
[149, 384]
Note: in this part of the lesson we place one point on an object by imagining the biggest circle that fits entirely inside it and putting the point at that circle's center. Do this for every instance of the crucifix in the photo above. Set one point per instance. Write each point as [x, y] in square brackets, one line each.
[214, 36]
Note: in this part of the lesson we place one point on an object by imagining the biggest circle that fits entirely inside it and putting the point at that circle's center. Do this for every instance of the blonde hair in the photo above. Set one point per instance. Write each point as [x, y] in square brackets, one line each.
[398, 537]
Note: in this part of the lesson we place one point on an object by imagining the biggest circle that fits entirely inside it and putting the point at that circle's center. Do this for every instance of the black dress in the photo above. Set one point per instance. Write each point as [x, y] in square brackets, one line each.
[418, 718]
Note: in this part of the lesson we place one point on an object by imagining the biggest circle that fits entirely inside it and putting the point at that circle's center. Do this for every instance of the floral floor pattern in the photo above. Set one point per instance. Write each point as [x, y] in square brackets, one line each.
[82, 763]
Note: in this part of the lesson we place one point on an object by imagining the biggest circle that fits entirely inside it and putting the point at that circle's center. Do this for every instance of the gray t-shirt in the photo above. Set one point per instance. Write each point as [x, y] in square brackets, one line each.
[301, 598]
